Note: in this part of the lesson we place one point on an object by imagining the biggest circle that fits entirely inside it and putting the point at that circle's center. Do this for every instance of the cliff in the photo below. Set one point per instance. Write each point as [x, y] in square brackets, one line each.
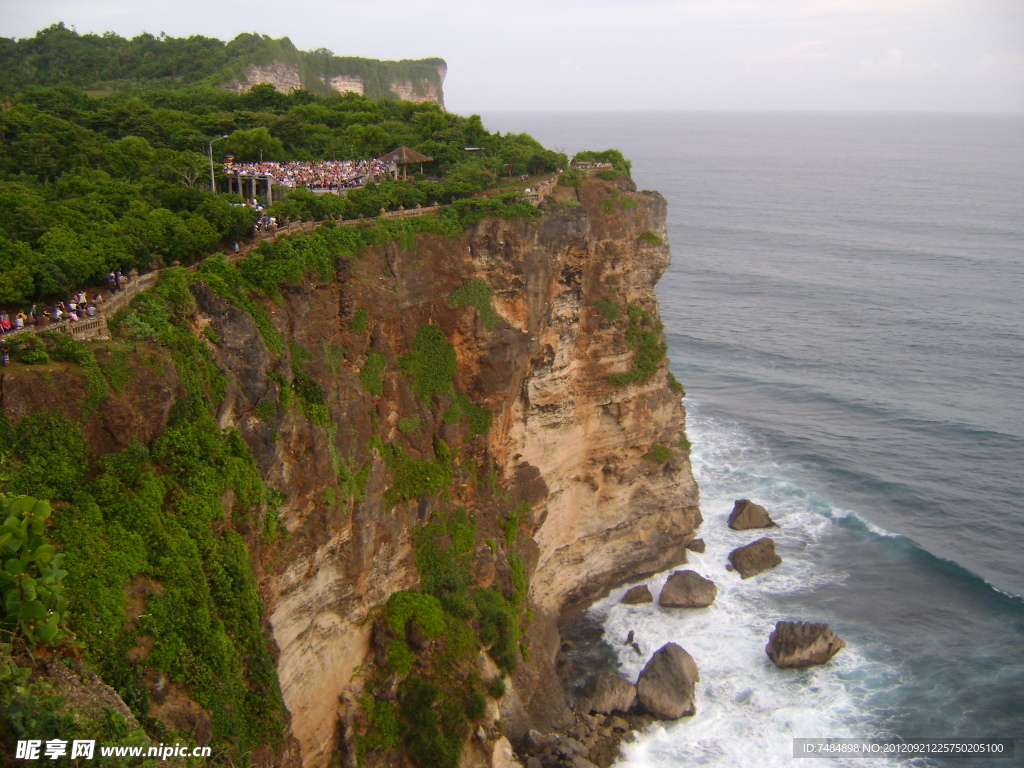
[482, 424]
[61, 56]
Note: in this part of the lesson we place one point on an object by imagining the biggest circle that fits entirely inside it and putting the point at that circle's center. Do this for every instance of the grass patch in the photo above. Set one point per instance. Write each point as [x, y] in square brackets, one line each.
[609, 308]
[644, 337]
[659, 454]
[371, 375]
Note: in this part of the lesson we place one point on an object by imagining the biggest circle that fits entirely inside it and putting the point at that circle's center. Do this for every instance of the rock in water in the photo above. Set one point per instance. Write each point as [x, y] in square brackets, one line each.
[746, 515]
[687, 589]
[610, 692]
[795, 644]
[697, 545]
[754, 558]
[637, 595]
[665, 687]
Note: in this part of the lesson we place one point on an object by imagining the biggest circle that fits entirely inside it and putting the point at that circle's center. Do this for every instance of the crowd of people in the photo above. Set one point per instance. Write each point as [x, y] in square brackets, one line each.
[77, 307]
[327, 174]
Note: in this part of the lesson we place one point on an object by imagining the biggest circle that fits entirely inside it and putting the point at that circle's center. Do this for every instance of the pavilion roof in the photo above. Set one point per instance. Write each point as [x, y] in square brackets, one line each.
[404, 155]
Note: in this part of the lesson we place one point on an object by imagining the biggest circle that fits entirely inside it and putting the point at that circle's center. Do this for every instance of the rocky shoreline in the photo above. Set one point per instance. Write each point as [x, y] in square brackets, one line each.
[609, 710]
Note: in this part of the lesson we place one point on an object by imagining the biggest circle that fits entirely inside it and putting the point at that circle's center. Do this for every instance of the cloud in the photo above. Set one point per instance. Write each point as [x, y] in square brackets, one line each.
[893, 64]
[803, 51]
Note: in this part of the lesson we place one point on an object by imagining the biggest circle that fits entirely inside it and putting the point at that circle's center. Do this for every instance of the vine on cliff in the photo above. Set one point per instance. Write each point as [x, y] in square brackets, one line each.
[644, 337]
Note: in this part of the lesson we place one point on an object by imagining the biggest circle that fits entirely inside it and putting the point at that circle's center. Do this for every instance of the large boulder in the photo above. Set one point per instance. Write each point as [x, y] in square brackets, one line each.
[638, 594]
[796, 644]
[754, 558]
[746, 515]
[610, 692]
[687, 589]
[665, 687]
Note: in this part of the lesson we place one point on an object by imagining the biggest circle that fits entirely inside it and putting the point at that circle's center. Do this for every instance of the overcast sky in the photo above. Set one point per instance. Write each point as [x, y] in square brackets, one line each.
[936, 55]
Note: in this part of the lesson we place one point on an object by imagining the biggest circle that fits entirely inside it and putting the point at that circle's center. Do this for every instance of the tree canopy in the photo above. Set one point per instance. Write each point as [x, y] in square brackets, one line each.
[93, 183]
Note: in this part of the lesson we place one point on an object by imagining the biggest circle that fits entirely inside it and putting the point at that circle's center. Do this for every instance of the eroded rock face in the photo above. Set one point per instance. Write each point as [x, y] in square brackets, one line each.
[665, 687]
[754, 558]
[638, 595]
[687, 589]
[746, 515]
[796, 644]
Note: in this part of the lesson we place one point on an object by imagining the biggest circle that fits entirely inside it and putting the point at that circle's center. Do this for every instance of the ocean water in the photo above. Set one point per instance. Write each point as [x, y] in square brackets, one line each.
[845, 310]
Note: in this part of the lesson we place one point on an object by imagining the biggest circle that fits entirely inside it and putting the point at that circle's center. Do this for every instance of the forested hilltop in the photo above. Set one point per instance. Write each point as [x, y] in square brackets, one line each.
[92, 184]
[60, 56]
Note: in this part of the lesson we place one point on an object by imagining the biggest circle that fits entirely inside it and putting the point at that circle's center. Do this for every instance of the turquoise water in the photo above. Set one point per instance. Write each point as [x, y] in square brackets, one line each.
[844, 309]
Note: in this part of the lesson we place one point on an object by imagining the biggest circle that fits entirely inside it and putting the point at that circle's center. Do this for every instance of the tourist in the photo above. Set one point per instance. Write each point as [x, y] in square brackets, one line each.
[5, 322]
[91, 310]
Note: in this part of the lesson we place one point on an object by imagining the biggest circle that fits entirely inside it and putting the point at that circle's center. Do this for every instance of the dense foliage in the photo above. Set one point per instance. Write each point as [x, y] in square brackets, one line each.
[93, 183]
[60, 56]
[149, 522]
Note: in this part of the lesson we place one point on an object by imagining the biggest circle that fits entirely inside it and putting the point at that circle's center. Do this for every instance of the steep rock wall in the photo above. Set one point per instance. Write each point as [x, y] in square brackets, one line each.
[563, 437]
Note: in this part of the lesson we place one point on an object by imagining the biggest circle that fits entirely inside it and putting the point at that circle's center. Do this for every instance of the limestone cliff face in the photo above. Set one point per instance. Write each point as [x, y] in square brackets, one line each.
[283, 77]
[287, 78]
[564, 438]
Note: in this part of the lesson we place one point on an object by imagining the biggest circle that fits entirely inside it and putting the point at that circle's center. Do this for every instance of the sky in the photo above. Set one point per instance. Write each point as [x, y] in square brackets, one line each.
[534, 55]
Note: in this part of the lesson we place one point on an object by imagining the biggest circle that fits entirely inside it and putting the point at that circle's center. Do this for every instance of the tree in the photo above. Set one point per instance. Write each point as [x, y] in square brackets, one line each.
[254, 144]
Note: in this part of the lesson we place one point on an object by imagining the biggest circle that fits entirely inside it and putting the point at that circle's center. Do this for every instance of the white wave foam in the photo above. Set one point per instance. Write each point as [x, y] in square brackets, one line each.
[748, 711]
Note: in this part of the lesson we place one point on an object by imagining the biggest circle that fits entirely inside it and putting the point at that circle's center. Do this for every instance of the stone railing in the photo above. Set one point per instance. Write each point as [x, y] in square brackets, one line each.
[537, 194]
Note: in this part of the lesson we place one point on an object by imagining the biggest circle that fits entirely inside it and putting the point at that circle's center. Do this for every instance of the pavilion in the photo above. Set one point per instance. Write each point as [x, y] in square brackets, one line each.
[402, 157]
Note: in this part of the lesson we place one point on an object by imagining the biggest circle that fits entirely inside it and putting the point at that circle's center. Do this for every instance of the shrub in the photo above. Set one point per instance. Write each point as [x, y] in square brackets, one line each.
[359, 320]
[408, 424]
[659, 454]
[431, 364]
[609, 308]
[31, 581]
[674, 385]
[644, 337]
[477, 293]
[371, 374]
[649, 238]
[29, 349]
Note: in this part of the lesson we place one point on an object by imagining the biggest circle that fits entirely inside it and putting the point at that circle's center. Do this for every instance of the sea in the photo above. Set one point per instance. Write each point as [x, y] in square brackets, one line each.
[845, 308]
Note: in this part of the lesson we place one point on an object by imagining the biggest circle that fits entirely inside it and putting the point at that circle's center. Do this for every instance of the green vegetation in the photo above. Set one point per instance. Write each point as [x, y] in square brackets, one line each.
[334, 356]
[109, 62]
[430, 364]
[95, 183]
[477, 293]
[649, 238]
[414, 477]
[432, 636]
[608, 307]
[644, 337]
[359, 320]
[674, 385]
[408, 424]
[371, 374]
[659, 454]
[613, 156]
[31, 579]
[149, 521]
